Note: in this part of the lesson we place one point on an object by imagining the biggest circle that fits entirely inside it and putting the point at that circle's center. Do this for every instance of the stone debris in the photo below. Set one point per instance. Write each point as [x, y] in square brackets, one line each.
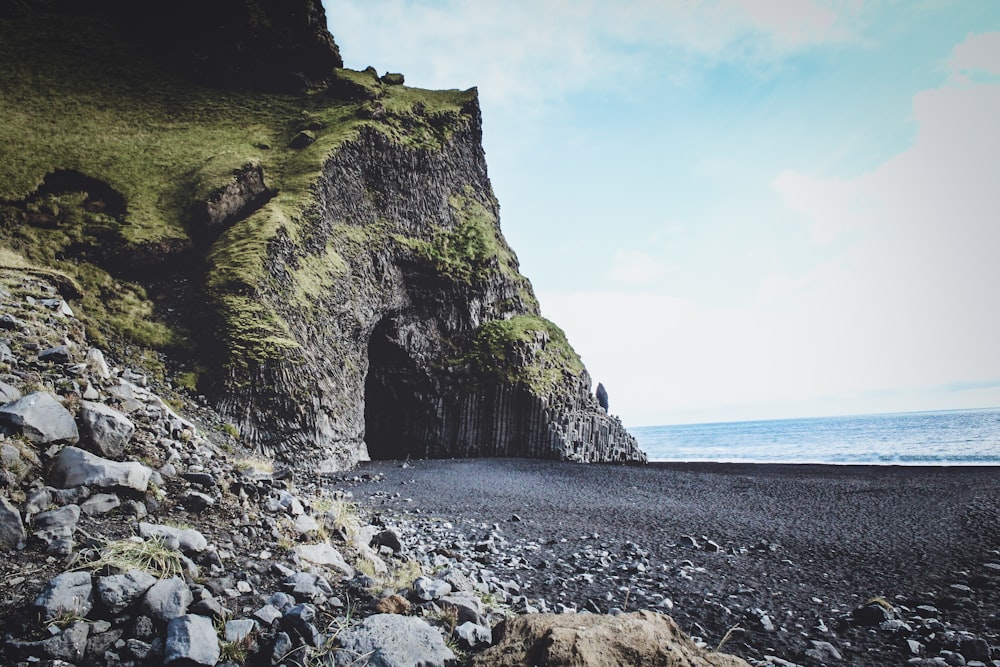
[40, 418]
[168, 544]
[106, 429]
[191, 639]
[12, 530]
[75, 467]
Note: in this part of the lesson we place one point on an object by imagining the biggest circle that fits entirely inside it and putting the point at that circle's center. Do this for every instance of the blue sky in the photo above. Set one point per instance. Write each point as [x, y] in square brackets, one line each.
[737, 209]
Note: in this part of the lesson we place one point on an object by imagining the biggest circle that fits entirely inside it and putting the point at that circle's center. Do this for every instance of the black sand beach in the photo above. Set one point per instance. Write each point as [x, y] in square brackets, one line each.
[785, 552]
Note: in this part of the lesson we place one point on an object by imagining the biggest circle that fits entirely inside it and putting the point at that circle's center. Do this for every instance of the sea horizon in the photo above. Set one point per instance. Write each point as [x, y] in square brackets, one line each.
[969, 436]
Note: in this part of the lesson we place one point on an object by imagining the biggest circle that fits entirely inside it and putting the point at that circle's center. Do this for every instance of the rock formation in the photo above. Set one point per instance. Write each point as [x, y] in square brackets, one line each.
[329, 266]
[558, 640]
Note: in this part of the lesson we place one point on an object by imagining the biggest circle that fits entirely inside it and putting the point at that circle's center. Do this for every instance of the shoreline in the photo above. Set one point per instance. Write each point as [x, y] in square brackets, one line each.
[721, 544]
[834, 464]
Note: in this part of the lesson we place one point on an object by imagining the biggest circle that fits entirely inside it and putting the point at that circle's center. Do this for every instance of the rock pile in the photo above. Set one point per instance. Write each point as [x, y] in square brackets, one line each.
[133, 536]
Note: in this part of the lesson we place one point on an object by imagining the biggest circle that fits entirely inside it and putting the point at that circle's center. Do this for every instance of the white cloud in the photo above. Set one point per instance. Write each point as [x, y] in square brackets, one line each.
[525, 54]
[978, 53]
[635, 267]
[901, 315]
[909, 298]
[794, 23]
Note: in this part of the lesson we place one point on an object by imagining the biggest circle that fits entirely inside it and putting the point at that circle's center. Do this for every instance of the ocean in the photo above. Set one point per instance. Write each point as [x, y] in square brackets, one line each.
[953, 437]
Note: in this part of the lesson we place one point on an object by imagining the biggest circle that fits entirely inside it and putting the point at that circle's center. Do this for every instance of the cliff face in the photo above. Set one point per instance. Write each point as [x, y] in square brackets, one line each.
[438, 349]
[343, 250]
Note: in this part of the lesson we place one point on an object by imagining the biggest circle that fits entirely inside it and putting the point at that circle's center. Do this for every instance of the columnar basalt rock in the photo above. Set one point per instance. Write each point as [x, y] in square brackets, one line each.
[398, 369]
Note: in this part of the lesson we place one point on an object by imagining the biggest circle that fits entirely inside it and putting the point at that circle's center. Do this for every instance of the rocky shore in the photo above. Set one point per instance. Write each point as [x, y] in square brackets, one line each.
[135, 530]
[781, 565]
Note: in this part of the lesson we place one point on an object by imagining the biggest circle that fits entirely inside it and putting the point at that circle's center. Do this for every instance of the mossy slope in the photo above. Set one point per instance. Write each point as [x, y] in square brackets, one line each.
[79, 98]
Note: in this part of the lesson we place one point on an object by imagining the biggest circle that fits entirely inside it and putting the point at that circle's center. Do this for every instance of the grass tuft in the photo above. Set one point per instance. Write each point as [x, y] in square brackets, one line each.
[149, 555]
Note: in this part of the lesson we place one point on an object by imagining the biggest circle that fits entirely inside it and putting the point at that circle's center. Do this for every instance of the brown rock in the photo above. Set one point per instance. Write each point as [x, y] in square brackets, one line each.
[244, 193]
[584, 640]
[392, 604]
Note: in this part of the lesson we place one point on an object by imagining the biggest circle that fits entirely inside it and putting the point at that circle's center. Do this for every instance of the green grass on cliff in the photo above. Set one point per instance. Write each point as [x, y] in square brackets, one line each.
[526, 350]
[472, 249]
[76, 96]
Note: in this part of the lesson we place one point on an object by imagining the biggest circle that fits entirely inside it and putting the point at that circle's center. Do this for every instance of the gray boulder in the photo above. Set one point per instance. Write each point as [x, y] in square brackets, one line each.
[96, 363]
[188, 539]
[56, 528]
[324, 554]
[100, 503]
[11, 528]
[459, 582]
[429, 589]
[68, 646]
[41, 418]
[129, 395]
[472, 635]
[196, 501]
[306, 585]
[467, 607]
[306, 524]
[76, 467]
[975, 648]
[57, 305]
[56, 355]
[240, 629]
[167, 599]
[390, 640]
[70, 593]
[118, 591]
[267, 615]
[107, 429]
[8, 393]
[191, 639]
[298, 621]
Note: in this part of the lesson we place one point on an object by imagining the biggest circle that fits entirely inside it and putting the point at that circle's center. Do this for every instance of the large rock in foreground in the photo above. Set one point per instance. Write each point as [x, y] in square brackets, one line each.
[41, 418]
[390, 640]
[585, 640]
[76, 467]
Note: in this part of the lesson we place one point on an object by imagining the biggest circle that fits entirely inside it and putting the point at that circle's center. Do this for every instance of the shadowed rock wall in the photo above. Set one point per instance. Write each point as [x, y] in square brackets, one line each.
[383, 367]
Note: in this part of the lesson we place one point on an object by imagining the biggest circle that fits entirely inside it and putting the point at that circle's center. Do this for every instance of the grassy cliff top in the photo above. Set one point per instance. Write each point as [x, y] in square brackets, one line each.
[79, 97]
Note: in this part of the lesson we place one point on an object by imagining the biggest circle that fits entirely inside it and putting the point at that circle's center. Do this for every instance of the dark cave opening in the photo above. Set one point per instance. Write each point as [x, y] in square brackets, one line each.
[101, 197]
[397, 417]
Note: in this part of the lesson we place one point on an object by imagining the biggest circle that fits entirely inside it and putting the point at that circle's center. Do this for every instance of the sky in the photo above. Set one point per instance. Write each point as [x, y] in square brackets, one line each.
[737, 209]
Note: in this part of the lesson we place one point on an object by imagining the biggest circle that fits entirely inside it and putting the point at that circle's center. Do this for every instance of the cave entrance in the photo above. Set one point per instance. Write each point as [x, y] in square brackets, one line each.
[398, 419]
